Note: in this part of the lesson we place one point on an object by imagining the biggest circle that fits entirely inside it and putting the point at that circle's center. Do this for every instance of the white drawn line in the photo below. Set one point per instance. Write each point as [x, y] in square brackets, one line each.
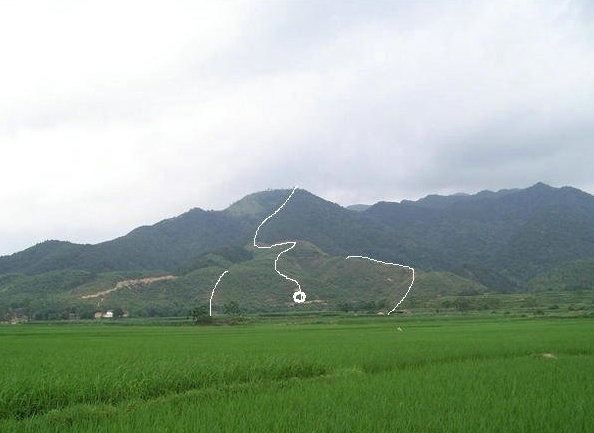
[301, 298]
[393, 264]
[212, 294]
[298, 296]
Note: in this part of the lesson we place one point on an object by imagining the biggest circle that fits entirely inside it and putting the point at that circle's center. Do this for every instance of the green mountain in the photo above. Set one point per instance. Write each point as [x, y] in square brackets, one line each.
[535, 239]
[572, 276]
[501, 239]
[330, 282]
[165, 245]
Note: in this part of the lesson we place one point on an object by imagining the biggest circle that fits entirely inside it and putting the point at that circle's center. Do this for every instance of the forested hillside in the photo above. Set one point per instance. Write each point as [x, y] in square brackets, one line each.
[523, 240]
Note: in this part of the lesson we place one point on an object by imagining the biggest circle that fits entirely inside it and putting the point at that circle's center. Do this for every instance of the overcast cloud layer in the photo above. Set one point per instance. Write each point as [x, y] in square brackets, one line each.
[115, 114]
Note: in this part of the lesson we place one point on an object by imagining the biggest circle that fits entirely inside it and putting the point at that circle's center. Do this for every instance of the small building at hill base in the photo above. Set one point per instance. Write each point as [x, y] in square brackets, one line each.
[101, 315]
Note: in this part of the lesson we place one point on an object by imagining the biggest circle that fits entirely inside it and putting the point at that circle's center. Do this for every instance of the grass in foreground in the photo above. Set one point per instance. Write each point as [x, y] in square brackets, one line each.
[433, 376]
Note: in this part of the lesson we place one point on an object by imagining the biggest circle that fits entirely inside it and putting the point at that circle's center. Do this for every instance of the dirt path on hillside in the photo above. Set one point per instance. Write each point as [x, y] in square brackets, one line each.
[126, 284]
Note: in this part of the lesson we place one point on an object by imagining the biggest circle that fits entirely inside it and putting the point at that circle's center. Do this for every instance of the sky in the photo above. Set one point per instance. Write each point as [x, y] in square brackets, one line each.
[116, 114]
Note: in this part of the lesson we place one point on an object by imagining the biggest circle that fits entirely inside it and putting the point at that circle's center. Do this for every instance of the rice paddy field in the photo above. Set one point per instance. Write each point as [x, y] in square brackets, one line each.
[379, 374]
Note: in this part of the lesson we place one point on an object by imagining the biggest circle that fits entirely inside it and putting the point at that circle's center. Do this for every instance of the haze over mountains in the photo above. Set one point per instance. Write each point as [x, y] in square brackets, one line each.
[505, 241]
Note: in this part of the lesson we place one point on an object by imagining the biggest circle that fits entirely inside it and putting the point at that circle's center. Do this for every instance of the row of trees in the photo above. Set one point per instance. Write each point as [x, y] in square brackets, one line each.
[363, 306]
[201, 313]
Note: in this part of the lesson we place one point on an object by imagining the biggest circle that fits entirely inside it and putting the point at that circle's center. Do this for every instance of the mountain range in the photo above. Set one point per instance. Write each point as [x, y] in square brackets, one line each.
[509, 241]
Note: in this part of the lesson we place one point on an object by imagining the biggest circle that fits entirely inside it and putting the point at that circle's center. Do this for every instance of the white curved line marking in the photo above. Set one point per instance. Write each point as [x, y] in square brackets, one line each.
[393, 264]
[291, 246]
[212, 294]
[290, 243]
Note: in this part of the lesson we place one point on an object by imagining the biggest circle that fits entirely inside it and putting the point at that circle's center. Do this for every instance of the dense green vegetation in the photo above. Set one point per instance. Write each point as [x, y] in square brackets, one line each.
[331, 284]
[397, 374]
[168, 245]
[533, 241]
[515, 233]
[573, 276]
[503, 239]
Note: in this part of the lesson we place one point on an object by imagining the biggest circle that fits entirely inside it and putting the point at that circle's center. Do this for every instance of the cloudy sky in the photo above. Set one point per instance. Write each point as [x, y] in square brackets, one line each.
[115, 114]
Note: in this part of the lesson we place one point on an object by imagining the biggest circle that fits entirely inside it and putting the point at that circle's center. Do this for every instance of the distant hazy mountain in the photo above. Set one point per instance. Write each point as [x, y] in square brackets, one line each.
[359, 207]
[501, 241]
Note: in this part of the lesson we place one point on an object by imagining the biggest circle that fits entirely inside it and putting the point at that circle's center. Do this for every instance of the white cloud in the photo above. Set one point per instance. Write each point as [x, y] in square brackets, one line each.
[116, 114]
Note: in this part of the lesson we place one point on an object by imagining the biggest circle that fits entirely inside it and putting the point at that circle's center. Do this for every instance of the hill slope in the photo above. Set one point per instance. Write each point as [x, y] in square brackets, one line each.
[330, 282]
[506, 241]
[165, 245]
[512, 235]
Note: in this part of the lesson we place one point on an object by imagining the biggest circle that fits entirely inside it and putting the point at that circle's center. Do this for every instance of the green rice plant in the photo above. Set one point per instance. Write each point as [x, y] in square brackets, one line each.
[373, 374]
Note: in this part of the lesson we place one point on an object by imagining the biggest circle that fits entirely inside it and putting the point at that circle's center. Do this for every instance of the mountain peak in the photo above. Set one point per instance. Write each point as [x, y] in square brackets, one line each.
[540, 186]
[258, 203]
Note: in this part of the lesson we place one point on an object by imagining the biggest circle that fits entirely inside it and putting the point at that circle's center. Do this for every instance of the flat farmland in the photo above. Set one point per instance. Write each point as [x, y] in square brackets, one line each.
[375, 374]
